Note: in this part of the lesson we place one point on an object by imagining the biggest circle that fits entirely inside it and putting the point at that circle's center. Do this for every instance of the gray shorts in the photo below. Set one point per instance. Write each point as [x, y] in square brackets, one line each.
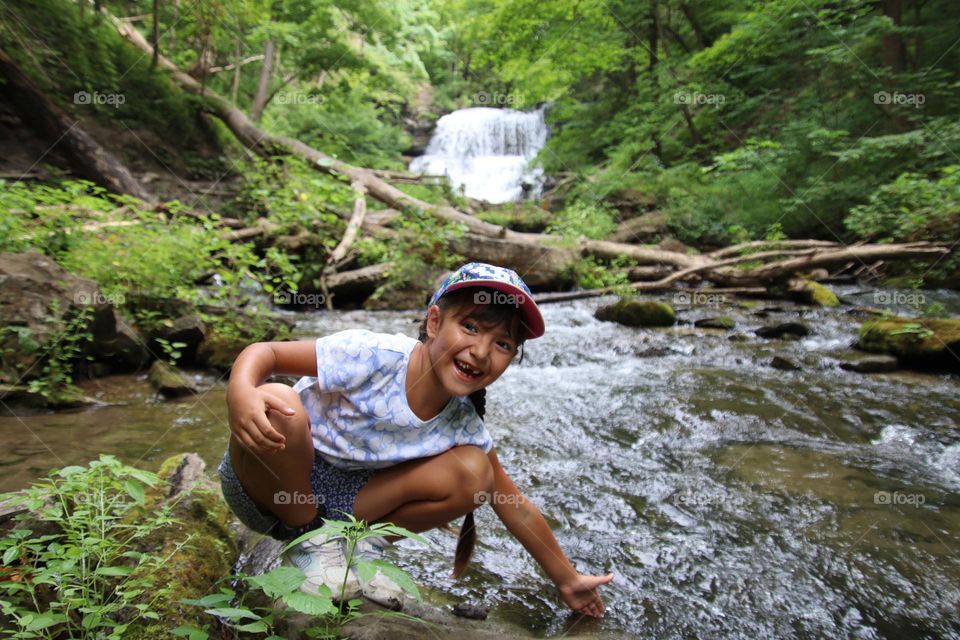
[333, 489]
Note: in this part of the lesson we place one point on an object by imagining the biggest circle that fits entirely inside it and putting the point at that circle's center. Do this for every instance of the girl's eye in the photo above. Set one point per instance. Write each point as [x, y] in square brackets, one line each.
[506, 345]
[469, 326]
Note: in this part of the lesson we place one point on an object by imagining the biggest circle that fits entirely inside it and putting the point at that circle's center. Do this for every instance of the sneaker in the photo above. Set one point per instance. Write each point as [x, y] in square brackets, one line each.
[380, 588]
[323, 562]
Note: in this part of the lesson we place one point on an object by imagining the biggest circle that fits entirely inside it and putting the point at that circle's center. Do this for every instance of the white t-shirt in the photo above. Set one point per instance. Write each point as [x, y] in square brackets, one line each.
[358, 411]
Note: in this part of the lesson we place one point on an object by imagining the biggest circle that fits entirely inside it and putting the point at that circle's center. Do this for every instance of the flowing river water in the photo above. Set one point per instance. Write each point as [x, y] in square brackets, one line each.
[730, 499]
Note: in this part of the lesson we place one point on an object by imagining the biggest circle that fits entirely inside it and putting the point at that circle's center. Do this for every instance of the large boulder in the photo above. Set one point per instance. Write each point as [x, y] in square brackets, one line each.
[922, 343]
[42, 305]
[638, 313]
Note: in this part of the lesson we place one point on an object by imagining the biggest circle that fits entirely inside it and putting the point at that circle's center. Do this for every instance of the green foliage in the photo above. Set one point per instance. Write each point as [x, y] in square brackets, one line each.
[86, 573]
[583, 219]
[590, 272]
[283, 584]
[912, 207]
[422, 241]
[62, 350]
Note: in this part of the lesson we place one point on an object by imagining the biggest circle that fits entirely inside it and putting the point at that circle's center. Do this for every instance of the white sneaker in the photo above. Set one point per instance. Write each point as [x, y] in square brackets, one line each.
[323, 562]
[380, 588]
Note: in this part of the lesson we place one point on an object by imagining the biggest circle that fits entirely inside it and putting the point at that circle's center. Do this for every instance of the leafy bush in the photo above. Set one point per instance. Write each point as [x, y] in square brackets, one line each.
[582, 219]
[85, 574]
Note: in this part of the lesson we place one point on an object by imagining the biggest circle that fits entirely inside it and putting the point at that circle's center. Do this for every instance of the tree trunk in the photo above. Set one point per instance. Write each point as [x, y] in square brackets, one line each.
[155, 38]
[703, 41]
[87, 158]
[894, 50]
[263, 85]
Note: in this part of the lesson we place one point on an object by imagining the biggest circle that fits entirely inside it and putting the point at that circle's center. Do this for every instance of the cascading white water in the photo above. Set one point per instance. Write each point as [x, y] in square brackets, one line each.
[486, 153]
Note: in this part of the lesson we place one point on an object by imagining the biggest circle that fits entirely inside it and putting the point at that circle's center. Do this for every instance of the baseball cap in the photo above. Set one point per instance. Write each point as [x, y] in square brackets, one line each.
[515, 291]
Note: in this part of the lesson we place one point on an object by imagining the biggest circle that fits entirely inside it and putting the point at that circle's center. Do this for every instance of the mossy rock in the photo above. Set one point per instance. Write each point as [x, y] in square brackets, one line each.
[810, 292]
[195, 569]
[638, 313]
[718, 322]
[922, 343]
[169, 380]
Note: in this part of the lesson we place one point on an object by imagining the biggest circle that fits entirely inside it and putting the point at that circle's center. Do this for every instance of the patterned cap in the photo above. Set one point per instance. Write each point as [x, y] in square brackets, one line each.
[515, 291]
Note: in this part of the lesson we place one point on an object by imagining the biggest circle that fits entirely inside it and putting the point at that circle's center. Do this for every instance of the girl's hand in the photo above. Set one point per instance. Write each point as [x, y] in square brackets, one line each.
[580, 593]
[248, 407]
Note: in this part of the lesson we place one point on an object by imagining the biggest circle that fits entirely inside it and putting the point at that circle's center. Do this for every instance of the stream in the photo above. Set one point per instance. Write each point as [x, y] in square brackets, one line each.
[730, 499]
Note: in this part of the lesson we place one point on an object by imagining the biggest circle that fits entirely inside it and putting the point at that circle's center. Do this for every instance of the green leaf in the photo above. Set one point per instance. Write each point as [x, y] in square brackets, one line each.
[44, 620]
[135, 490]
[10, 555]
[280, 581]
[210, 600]
[113, 571]
[254, 627]
[66, 472]
[191, 632]
[233, 613]
[310, 604]
[398, 575]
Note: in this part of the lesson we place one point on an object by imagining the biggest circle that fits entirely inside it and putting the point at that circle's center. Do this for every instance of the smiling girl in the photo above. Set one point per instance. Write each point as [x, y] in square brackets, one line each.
[389, 429]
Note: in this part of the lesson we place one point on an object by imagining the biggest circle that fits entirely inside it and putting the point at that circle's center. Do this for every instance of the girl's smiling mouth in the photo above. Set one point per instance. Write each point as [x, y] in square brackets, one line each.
[466, 371]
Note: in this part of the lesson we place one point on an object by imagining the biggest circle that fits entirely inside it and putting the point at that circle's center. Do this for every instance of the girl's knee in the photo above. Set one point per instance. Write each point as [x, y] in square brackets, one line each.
[294, 425]
[473, 470]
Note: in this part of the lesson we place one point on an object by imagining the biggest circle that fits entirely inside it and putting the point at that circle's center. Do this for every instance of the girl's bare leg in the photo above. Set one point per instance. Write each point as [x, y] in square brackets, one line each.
[284, 474]
[428, 492]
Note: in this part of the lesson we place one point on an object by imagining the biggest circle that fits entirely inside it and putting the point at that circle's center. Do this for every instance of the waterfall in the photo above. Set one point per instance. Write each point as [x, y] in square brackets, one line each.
[486, 152]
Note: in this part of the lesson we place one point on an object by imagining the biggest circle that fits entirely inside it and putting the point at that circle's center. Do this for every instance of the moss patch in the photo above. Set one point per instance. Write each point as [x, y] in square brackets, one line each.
[922, 343]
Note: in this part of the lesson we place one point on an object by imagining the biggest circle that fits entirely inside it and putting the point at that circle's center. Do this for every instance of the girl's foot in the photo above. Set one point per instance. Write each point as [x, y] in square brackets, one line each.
[323, 562]
[380, 588]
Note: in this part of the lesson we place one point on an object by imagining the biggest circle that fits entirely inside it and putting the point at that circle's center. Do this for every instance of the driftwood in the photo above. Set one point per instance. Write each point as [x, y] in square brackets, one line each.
[543, 259]
[87, 158]
[338, 254]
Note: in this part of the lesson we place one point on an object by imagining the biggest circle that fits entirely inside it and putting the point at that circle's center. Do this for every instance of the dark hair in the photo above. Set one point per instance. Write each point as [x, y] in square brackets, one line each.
[458, 304]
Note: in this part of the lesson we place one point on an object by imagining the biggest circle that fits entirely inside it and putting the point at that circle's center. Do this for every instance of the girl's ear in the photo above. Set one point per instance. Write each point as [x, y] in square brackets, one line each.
[433, 321]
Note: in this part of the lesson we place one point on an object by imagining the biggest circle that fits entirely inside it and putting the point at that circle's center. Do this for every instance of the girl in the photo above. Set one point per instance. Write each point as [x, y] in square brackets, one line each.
[390, 429]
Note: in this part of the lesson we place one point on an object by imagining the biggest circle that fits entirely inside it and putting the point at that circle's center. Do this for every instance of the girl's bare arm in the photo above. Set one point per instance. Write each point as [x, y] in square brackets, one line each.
[524, 520]
[248, 405]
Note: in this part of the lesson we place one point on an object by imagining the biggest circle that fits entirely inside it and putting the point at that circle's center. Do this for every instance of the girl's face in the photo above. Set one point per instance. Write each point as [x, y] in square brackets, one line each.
[465, 354]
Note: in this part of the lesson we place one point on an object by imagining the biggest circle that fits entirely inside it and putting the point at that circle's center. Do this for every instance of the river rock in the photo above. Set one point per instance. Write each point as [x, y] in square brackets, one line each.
[810, 292]
[638, 313]
[784, 364]
[195, 569]
[922, 343]
[871, 364]
[793, 329]
[37, 297]
[718, 322]
[169, 381]
[188, 329]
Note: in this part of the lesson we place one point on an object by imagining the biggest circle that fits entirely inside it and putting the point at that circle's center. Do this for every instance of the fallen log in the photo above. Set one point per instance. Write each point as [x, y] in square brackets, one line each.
[86, 157]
